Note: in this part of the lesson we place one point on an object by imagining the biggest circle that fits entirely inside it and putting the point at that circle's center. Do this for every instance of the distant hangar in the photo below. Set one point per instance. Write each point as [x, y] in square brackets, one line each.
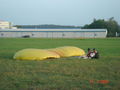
[54, 33]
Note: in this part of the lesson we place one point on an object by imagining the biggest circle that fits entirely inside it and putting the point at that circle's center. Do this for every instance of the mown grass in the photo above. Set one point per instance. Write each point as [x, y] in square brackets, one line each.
[60, 74]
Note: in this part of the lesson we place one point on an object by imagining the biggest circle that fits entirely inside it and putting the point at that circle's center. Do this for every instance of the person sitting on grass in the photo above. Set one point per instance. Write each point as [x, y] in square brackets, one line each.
[92, 54]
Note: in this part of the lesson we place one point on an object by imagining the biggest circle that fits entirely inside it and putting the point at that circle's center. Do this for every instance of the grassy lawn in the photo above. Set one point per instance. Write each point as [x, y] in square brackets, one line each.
[60, 74]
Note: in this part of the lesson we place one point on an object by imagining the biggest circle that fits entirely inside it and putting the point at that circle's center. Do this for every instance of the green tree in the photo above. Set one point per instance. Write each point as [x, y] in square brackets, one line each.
[111, 25]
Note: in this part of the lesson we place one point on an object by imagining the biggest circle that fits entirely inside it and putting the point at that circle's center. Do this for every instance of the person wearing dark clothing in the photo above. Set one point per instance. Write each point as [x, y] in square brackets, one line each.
[96, 56]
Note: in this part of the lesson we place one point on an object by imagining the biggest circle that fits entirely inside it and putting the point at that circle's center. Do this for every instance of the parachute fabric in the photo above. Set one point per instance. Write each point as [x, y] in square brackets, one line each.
[34, 54]
[68, 51]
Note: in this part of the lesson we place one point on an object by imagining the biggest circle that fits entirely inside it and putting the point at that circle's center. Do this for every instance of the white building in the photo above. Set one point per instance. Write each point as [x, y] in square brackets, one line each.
[5, 25]
[54, 33]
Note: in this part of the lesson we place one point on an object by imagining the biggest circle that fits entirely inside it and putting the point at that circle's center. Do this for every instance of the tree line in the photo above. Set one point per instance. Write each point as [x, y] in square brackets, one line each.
[46, 26]
[111, 25]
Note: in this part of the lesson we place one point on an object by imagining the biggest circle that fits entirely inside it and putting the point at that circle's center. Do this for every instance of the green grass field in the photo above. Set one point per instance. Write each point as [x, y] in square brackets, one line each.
[60, 74]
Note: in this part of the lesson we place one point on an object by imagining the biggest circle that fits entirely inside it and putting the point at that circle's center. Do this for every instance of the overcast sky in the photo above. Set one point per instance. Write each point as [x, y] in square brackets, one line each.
[60, 12]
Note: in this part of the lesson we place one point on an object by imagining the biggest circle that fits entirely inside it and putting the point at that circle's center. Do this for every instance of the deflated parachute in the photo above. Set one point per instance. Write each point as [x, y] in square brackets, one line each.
[42, 54]
[68, 51]
[34, 54]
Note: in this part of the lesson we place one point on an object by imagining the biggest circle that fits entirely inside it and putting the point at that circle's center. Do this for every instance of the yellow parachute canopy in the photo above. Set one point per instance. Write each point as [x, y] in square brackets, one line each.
[34, 54]
[42, 54]
[68, 51]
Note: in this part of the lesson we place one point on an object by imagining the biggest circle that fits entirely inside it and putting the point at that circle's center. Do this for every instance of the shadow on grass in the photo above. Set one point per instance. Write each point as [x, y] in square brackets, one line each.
[6, 56]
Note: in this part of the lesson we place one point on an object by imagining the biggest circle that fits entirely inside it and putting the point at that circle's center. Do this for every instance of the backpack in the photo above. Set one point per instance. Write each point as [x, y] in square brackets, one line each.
[97, 55]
